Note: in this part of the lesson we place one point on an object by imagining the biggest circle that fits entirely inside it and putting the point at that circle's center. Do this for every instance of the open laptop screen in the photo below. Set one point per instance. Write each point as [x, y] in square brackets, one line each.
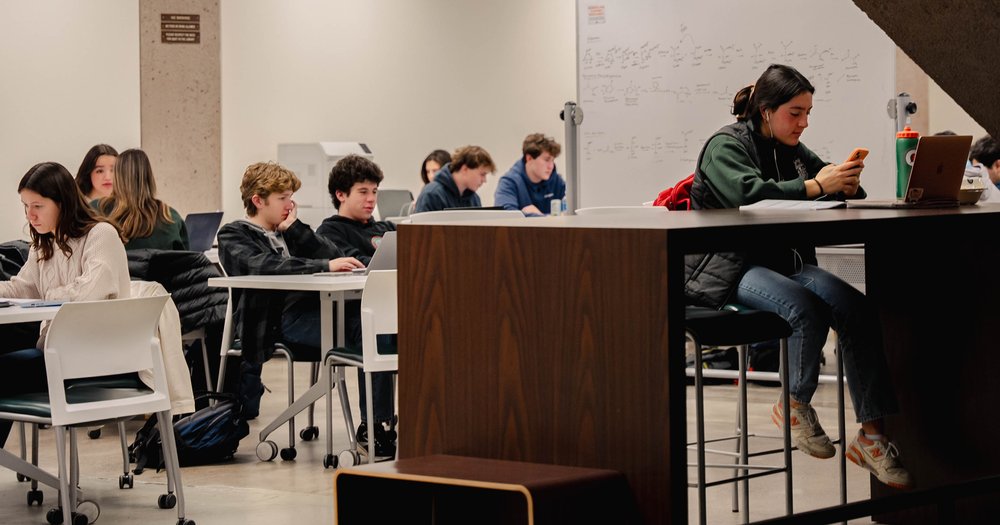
[202, 228]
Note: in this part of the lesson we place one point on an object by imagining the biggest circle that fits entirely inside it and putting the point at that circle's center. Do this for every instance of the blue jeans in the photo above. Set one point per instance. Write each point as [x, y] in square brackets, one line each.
[813, 301]
[303, 327]
[21, 372]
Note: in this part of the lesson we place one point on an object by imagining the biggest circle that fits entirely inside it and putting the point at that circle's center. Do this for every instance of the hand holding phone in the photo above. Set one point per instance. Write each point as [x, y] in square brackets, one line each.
[857, 154]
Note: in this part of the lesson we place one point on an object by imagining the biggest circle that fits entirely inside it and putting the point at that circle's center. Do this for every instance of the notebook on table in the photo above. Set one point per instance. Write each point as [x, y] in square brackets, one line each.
[202, 228]
[936, 177]
[384, 258]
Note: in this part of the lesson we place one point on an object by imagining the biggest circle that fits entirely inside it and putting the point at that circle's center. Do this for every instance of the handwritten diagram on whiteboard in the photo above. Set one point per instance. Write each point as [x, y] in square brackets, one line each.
[656, 78]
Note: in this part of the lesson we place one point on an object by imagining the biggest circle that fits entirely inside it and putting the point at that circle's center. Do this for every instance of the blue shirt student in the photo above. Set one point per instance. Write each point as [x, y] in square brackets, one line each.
[515, 190]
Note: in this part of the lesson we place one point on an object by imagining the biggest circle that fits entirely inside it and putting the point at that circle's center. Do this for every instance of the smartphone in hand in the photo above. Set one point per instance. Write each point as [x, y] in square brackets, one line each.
[857, 154]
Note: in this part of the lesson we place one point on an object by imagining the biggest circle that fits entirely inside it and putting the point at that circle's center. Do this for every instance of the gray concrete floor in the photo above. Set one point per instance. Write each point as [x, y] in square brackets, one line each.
[248, 491]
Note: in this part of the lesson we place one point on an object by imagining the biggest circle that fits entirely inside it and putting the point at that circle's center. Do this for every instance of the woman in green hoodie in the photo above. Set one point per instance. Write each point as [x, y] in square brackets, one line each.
[761, 156]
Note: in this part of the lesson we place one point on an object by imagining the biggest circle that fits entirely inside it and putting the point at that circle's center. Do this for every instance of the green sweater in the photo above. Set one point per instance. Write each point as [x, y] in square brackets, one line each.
[735, 176]
[166, 235]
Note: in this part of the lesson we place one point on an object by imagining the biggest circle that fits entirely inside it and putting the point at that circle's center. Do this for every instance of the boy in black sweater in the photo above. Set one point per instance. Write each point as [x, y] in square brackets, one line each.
[353, 187]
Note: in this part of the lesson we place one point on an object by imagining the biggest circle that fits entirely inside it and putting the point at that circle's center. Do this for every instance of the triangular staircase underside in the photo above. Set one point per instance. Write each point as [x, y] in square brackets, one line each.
[956, 42]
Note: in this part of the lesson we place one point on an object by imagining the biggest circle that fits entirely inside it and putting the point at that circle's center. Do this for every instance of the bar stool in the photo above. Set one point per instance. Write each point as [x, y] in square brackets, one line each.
[740, 328]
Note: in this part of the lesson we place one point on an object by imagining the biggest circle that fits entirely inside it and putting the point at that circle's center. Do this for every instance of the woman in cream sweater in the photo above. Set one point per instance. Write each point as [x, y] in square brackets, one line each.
[74, 256]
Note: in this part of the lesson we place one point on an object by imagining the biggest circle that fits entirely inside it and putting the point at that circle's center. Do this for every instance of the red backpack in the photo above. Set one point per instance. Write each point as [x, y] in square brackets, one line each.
[677, 197]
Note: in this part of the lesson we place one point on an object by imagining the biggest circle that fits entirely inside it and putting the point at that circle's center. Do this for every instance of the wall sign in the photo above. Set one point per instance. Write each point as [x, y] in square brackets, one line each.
[180, 29]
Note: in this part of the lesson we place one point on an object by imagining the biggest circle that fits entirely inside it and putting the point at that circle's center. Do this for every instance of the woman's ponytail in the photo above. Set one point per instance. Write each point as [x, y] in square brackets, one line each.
[741, 102]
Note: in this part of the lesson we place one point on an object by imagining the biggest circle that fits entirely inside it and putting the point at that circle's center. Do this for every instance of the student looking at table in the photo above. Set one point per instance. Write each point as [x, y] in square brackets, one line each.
[432, 163]
[96, 176]
[456, 183]
[271, 240]
[986, 152]
[761, 157]
[532, 182]
[74, 256]
[353, 186]
[144, 220]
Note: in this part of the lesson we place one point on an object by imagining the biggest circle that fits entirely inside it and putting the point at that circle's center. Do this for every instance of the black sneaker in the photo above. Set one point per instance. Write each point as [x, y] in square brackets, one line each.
[362, 434]
[385, 438]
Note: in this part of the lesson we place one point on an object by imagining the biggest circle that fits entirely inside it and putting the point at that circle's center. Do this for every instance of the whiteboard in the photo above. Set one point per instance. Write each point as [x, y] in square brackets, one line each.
[656, 78]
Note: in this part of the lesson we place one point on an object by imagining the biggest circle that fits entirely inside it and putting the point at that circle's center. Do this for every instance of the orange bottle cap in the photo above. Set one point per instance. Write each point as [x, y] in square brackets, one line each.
[907, 133]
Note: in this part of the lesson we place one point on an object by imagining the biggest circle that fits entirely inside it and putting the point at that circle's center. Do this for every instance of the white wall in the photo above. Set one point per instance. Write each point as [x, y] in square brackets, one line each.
[945, 113]
[70, 80]
[404, 77]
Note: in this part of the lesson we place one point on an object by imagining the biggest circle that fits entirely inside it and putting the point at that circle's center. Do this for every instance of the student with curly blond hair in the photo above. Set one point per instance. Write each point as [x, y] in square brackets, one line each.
[271, 240]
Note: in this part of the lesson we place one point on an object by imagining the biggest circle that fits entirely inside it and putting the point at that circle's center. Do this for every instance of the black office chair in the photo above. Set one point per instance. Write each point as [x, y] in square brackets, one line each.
[738, 327]
[267, 450]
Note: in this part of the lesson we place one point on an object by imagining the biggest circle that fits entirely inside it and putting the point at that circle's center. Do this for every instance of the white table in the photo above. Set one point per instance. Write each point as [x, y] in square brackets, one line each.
[332, 289]
[16, 314]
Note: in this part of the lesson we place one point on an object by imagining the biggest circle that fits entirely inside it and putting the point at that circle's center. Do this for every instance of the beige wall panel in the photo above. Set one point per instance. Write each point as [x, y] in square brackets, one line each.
[70, 79]
[911, 79]
[404, 77]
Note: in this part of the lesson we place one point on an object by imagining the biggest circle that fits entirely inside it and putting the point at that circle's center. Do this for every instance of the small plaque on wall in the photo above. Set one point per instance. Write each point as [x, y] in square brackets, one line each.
[180, 29]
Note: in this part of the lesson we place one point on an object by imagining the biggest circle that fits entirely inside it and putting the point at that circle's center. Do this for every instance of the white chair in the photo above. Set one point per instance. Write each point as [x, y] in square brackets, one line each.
[379, 316]
[644, 211]
[437, 217]
[96, 346]
[393, 203]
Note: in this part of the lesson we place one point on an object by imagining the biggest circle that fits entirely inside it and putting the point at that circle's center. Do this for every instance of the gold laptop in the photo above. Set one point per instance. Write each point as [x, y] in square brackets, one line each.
[936, 178]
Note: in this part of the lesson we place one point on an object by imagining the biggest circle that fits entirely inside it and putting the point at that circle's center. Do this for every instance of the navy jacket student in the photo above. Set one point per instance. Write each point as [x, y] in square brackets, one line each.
[455, 185]
[442, 193]
[515, 190]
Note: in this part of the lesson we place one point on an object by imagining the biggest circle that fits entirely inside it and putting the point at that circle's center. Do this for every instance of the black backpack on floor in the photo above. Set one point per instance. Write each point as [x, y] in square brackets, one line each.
[210, 435]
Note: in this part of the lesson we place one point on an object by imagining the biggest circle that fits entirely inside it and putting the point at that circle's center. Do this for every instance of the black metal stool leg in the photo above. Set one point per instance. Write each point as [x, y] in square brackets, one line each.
[744, 439]
[786, 425]
[699, 408]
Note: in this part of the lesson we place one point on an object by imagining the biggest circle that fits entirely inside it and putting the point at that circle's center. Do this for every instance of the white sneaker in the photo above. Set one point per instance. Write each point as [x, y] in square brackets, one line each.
[881, 458]
[807, 434]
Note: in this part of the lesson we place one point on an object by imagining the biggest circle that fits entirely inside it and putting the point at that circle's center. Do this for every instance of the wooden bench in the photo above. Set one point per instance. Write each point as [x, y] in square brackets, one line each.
[445, 489]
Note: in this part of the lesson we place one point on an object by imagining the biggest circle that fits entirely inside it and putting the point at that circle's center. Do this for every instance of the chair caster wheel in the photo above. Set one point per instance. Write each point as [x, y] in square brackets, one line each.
[88, 510]
[309, 433]
[288, 454]
[95, 433]
[126, 481]
[35, 496]
[330, 461]
[166, 501]
[54, 516]
[185, 522]
[267, 450]
[349, 458]
[21, 478]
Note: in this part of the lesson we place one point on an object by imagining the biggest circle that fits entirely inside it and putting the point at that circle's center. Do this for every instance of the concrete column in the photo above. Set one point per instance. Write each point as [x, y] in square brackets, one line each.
[911, 79]
[180, 91]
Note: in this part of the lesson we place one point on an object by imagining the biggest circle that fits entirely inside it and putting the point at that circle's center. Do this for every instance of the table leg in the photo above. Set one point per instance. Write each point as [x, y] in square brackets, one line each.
[21, 466]
[319, 389]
